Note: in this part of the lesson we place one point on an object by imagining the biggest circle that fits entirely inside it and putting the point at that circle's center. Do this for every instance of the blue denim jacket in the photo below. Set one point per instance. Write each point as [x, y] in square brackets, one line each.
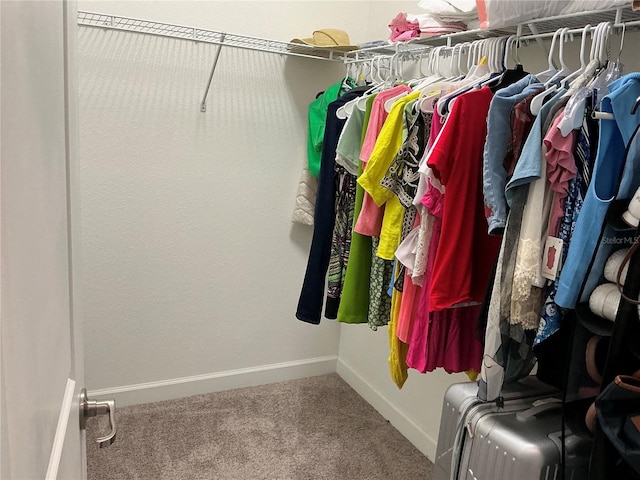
[529, 167]
[496, 147]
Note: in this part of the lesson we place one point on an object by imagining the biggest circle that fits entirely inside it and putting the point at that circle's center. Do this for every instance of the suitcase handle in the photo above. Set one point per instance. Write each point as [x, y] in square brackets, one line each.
[541, 407]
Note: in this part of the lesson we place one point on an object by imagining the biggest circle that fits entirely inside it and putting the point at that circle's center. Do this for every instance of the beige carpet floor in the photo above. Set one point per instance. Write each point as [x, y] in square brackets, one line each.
[316, 428]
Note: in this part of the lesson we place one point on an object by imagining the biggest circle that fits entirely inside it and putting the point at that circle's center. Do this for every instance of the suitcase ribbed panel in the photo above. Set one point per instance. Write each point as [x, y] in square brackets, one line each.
[507, 445]
[461, 399]
[446, 438]
[448, 425]
[490, 461]
[457, 399]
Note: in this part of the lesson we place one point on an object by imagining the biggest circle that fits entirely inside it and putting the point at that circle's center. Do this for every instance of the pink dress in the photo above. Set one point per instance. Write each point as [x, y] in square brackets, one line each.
[410, 301]
[443, 338]
[412, 291]
[369, 221]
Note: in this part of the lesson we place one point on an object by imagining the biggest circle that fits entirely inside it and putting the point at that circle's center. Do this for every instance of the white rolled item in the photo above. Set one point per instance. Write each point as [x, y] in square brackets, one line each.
[632, 214]
[604, 301]
[613, 265]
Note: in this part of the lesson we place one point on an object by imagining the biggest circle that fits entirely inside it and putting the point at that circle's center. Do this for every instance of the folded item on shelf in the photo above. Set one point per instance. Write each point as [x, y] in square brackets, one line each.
[406, 26]
[498, 13]
[402, 29]
[451, 10]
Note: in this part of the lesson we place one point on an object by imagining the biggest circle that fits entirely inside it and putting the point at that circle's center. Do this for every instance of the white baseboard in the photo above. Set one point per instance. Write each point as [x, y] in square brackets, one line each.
[216, 382]
[417, 435]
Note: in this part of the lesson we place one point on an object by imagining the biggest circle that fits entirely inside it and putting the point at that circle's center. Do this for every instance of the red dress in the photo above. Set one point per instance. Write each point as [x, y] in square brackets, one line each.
[461, 253]
[466, 253]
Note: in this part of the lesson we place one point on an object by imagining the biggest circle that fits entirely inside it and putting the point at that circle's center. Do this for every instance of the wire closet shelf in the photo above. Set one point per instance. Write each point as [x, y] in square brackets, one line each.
[542, 27]
[536, 29]
[150, 27]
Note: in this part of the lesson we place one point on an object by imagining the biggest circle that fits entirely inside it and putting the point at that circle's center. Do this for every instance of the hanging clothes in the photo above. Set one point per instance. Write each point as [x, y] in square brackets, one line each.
[508, 347]
[435, 227]
[530, 174]
[585, 153]
[369, 221]
[311, 297]
[317, 119]
[611, 176]
[465, 258]
[497, 146]
[341, 240]
[355, 293]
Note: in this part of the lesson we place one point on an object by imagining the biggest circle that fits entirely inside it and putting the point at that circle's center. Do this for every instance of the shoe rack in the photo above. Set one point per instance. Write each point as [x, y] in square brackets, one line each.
[623, 357]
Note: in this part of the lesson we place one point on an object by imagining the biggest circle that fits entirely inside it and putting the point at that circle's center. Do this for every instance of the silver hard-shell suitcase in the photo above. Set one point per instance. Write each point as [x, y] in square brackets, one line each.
[521, 445]
[462, 399]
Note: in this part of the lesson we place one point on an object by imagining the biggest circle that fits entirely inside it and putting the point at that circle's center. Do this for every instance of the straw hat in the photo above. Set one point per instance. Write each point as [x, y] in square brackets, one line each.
[329, 38]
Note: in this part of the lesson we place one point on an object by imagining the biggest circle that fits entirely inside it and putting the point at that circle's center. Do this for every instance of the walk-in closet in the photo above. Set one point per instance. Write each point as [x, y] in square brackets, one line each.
[319, 240]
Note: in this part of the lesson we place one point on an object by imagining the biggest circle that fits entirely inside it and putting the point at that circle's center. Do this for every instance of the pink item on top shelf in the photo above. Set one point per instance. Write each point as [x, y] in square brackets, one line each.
[406, 27]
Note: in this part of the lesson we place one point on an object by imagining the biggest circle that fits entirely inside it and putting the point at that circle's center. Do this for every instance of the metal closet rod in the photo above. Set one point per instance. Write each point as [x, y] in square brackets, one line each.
[579, 31]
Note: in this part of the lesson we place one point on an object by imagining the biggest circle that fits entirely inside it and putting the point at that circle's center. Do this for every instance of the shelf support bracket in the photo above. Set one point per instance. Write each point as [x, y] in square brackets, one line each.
[203, 104]
[534, 30]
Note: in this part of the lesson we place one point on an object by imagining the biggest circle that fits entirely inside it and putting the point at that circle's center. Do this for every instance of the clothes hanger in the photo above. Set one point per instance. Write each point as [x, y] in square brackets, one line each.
[611, 72]
[396, 75]
[482, 73]
[432, 78]
[341, 112]
[432, 94]
[574, 109]
[378, 83]
[552, 69]
[507, 76]
[600, 84]
[417, 80]
[514, 49]
[564, 69]
[583, 62]
[433, 75]
[614, 69]
[432, 91]
[495, 63]
[459, 56]
[538, 101]
[361, 79]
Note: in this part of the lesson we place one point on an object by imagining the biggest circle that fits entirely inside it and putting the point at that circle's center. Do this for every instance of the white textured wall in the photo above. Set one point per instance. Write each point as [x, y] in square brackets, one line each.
[190, 262]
